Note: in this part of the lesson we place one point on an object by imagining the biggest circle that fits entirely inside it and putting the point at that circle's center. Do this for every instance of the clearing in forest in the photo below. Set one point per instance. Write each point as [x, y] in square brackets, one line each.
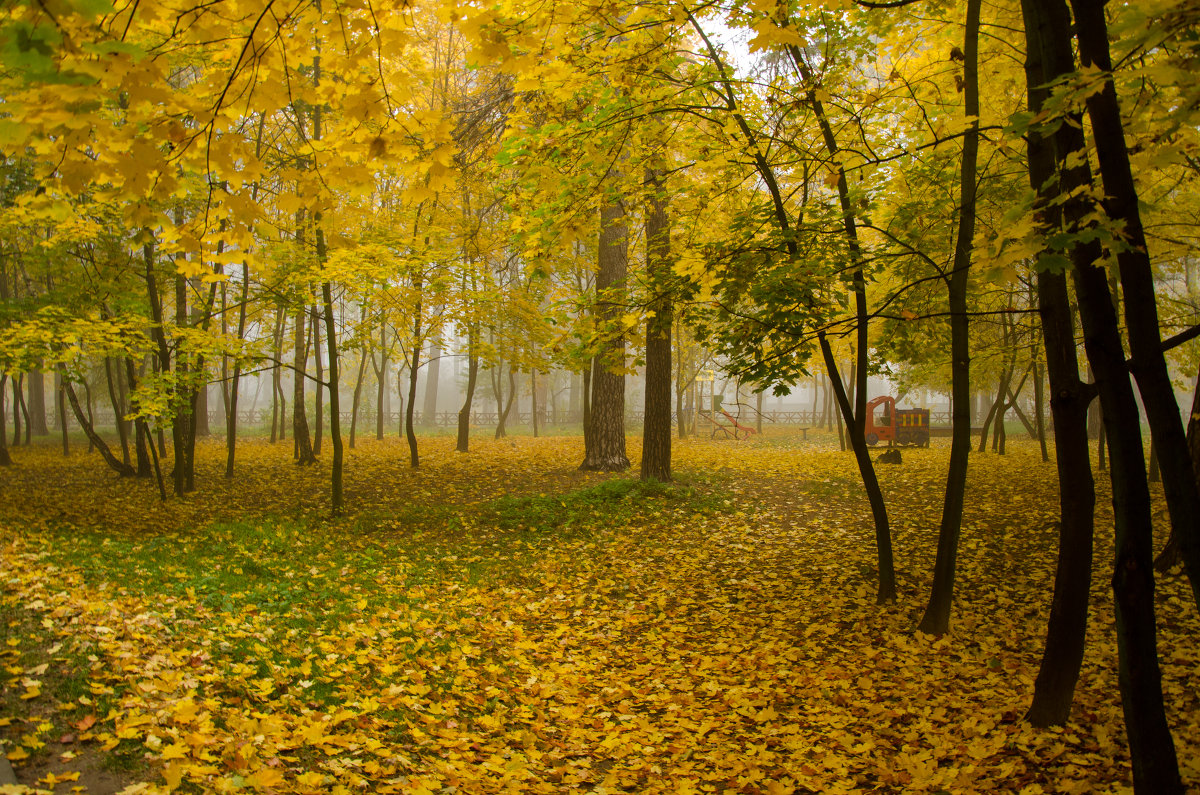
[499, 622]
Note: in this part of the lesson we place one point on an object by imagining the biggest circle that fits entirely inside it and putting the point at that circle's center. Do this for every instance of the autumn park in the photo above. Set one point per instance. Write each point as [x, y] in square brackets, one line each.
[730, 396]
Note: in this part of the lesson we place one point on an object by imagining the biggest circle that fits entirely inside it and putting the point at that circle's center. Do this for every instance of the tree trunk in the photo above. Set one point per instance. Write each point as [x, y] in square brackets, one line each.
[16, 388]
[118, 409]
[502, 411]
[381, 380]
[144, 445]
[604, 446]
[358, 384]
[1152, 750]
[410, 434]
[5, 458]
[883, 535]
[231, 412]
[1066, 631]
[315, 324]
[1172, 554]
[588, 369]
[61, 405]
[37, 402]
[656, 426]
[433, 374]
[301, 443]
[464, 414]
[1149, 367]
[335, 414]
[936, 620]
[123, 469]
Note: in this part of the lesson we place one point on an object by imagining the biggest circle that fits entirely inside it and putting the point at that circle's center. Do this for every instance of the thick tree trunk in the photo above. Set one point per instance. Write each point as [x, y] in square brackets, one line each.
[1152, 750]
[301, 443]
[464, 414]
[1172, 554]
[410, 434]
[144, 445]
[231, 411]
[381, 381]
[60, 402]
[16, 388]
[358, 384]
[433, 374]
[605, 444]
[37, 402]
[335, 413]
[1066, 632]
[936, 620]
[315, 323]
[5, 458]
[503, 407]
[1148, 365]
[656, 427]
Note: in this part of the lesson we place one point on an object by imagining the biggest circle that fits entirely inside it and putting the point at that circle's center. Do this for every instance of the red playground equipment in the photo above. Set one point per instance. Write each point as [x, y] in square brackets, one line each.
[896, 426]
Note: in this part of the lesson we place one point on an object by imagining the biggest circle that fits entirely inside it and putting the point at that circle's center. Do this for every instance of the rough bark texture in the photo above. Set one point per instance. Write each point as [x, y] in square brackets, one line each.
[1066, 632]
[605, 442]
[656, 428]
[936, 620]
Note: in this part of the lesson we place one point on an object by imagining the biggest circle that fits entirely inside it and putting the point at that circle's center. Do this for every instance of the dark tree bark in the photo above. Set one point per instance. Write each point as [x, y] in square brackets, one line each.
[464, 414]
[231, 413]
[278, 401]
[1172, 554]
[16, 388]
[61, 407]
[121, 468]
[5, 458]
[936, 620]
[358, 384]
[410, 434]
[380, 380]
[1152, 750]
[143, 444]
[656, 427]
[315, 324]
[1066, 632]
[586, 375]
[301, 443]
[503, 406]
[335, 408]
[1149, 367]
[118, 407]
[604, 444]
[37, 402]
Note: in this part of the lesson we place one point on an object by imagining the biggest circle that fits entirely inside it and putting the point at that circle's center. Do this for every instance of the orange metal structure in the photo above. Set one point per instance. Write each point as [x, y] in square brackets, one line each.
[896, 426]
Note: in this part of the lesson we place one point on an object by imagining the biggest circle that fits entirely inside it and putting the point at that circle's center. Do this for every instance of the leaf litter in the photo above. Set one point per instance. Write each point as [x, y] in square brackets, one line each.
[500, 622]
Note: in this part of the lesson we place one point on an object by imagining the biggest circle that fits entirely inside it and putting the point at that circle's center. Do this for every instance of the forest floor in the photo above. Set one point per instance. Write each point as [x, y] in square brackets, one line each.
[501, 622]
